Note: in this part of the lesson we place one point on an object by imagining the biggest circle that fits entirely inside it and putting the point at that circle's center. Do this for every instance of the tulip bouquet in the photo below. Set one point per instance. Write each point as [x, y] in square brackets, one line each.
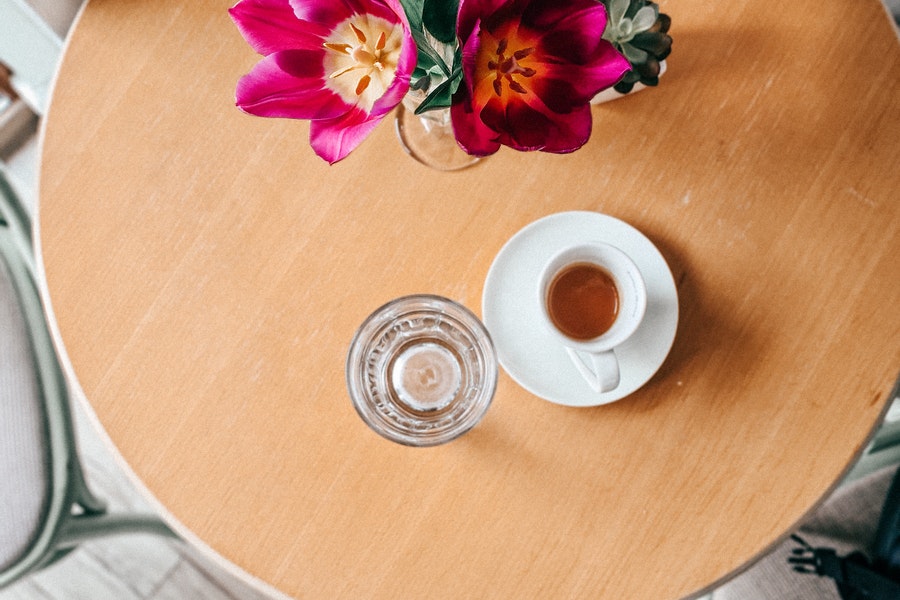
[519, 73]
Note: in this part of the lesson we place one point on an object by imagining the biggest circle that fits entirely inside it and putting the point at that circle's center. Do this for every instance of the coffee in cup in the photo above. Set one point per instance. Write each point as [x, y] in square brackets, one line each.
[592, 298]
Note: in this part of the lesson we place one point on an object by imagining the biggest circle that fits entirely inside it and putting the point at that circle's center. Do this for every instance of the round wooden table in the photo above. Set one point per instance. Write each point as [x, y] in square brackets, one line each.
[207, 273]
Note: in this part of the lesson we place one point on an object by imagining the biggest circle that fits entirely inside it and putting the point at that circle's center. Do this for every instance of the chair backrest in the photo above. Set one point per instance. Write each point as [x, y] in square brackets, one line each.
[24, 476]
[37, 445]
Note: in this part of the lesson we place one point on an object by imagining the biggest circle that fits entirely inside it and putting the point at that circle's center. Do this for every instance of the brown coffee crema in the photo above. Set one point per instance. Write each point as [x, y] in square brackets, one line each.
[582, 301]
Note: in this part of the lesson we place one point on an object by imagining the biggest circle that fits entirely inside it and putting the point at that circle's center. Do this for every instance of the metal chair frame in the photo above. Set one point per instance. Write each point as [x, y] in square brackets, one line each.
[73, 514]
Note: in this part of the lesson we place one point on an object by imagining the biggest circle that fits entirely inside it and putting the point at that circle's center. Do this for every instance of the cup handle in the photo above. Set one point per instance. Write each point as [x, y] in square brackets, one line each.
[601, 370]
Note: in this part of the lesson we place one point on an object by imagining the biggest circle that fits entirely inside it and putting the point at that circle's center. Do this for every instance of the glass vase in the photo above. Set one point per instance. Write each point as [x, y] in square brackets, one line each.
[428, 137]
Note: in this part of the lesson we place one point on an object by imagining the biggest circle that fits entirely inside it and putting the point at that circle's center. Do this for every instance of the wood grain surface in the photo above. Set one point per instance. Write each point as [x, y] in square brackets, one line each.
[207, 273]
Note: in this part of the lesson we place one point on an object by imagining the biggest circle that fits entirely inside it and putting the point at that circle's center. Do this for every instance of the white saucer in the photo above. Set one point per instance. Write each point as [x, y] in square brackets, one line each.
[510, 309]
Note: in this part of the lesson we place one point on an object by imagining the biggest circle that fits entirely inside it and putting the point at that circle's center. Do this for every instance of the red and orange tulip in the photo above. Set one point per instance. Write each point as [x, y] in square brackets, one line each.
[530, 69]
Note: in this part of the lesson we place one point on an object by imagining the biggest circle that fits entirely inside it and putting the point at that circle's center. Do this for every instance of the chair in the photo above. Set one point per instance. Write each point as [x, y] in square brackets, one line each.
[46, 507]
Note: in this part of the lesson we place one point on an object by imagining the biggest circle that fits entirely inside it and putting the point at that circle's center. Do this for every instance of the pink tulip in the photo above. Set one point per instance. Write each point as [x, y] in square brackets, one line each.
[530, 69]
[342, 64]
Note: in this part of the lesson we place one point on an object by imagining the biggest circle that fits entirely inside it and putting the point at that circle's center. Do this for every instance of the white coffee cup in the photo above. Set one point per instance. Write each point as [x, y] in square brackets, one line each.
[595, 357]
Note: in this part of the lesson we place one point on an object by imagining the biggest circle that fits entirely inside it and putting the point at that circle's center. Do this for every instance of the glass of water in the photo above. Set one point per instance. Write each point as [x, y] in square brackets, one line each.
[422, 370]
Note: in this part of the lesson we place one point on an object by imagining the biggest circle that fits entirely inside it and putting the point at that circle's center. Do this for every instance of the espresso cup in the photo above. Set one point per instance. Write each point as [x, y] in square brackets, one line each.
[592, 298]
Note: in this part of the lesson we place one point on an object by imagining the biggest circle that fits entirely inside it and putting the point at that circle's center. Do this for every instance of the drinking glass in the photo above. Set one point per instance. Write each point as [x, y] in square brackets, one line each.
[421, 370]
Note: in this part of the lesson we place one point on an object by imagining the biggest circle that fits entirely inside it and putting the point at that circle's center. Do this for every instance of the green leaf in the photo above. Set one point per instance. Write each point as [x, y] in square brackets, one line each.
[635, 56]
[442, 95]
[425, 63]
[439, 98]
[439, 18]
[656, 44]
[456, 77]
[419, 83]
[413, 10]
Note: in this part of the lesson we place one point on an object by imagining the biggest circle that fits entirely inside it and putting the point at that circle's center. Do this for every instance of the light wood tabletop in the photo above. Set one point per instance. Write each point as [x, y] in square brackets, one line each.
[207, 272]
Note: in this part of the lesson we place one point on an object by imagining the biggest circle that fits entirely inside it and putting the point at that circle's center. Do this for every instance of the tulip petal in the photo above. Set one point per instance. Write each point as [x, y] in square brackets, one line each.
[330, 13]
[471, 49]
[392, 96]
[327, 14]
[565, 85]
[471, 11]
[521, 126]
[551, 15]
[560, 94]
[334, 139]
[573, 130]
[575, 37]
[525, 127]
[289, 84]
[271, 26]
[470, 131]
